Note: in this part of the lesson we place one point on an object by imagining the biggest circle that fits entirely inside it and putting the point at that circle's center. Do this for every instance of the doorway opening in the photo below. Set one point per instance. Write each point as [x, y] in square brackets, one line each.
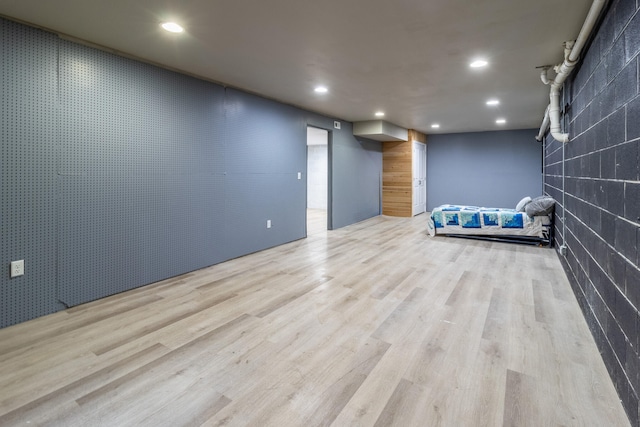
[317, 180]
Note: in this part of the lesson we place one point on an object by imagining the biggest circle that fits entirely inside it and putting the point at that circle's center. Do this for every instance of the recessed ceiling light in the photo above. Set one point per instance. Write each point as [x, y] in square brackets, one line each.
[379, 114]
[172, 27]
[321, 89]
[478, 63]
[501, 121]
[435, 125]
[493, 102]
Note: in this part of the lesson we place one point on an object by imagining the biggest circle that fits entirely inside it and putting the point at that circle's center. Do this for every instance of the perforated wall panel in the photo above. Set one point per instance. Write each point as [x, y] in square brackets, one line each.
[116, 174]
[140, 174]
[27, 173]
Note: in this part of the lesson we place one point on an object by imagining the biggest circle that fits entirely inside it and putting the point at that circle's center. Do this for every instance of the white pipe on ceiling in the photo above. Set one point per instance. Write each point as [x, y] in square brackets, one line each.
[571, 56]
[544, 126]
[543, 74]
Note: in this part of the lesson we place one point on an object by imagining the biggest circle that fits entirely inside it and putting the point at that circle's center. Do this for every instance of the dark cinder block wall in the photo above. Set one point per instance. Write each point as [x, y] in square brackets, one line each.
[598, 219]
[116, 173]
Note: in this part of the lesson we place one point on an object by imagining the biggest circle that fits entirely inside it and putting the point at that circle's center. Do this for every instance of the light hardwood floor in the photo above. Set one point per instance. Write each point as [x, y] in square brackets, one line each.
[375, 324]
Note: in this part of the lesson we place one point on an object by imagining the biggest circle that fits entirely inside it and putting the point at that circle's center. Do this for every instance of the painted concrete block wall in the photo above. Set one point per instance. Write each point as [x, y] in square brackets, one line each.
[116, 173]
[492, 169]
[601, 227]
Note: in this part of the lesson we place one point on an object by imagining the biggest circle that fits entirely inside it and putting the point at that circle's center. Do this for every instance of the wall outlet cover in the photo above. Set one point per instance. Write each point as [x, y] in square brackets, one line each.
[17, 268]
[336, 124]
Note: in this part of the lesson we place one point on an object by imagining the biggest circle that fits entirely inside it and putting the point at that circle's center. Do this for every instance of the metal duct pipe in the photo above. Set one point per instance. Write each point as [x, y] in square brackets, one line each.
[571, 57]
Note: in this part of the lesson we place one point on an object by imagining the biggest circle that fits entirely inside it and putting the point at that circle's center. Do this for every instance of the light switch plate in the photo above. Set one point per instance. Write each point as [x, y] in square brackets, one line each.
[299, 175]
[336, 124]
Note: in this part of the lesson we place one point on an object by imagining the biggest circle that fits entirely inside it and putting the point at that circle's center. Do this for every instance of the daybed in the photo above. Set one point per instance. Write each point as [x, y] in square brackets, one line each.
[521, 225]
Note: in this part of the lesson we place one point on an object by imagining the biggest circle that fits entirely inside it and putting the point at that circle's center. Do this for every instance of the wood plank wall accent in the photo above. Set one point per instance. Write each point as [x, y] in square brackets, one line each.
[396, 178]
[414, 135]
[397, 162]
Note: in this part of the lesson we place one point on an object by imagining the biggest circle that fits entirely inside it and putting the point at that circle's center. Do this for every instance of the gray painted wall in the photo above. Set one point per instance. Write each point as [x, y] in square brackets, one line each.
[355, 173]
[492, 169]
[116, 174]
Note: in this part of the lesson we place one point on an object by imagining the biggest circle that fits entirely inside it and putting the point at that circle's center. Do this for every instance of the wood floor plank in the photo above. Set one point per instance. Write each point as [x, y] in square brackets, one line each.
[542, 301]
[523, 338]
[72, 391]
[519, 405]
[193, 407]
[483, 402]
[89, 318]
[372, 324]
[497, 319]
[283, 300]
[365, 405]
[337, 395]
[161, 322]
[400, 320]
[400, 409]
[463, 282]
[200, 343]
[390, 283]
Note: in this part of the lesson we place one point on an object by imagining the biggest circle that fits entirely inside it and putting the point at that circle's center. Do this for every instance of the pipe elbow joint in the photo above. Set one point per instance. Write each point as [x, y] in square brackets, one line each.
[544, 77]
[560, 137]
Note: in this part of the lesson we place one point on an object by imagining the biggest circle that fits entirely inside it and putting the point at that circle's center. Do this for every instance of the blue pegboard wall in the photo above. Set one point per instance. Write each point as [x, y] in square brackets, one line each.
[140, 163]
[117, 173]
[27, 172]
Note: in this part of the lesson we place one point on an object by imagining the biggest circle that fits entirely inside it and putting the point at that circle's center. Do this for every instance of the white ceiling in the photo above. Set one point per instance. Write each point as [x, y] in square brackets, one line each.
[408, 58]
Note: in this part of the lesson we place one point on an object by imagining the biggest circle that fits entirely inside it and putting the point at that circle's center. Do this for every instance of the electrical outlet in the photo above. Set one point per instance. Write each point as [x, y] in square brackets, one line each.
[17, 268]
[299, 175]
[336, 124]
[268, 223]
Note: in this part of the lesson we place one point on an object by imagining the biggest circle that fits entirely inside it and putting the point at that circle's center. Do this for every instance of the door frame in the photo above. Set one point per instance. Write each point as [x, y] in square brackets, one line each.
[413, 159]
